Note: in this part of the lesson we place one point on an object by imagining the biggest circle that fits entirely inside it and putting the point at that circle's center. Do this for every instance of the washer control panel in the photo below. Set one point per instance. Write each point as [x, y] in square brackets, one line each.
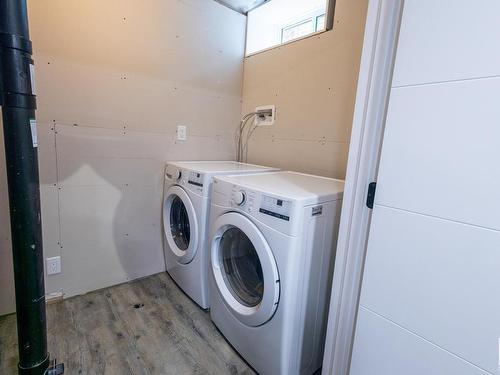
[195, 179]
[275, 207]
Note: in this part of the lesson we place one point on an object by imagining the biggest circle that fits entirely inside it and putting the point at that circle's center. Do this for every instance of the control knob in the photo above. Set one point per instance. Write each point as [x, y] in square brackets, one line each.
[174, 173]
[239, 198]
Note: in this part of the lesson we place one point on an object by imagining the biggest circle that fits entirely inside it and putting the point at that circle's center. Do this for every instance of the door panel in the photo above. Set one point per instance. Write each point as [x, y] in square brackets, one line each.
[385, 348]
[437, 278]
[447, 40]
[441, 151]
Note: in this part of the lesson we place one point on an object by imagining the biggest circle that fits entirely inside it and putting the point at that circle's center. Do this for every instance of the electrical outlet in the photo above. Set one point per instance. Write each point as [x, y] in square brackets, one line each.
[53, 265]
[181, 133]
[266, 115]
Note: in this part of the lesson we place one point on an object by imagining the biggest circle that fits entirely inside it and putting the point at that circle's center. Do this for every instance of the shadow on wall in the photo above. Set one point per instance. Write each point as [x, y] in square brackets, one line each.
[102, 192]
[109, 192]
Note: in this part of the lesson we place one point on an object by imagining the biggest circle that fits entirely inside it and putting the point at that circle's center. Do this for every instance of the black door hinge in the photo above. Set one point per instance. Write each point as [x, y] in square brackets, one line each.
[370, 198]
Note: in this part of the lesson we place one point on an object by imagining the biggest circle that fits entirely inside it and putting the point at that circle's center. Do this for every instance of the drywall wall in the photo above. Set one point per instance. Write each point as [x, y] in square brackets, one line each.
[114, 79]
[429, 300]
[312, 82]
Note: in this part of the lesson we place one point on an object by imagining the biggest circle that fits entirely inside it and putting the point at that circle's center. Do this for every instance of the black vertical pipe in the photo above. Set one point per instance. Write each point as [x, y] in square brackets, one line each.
[18, 102]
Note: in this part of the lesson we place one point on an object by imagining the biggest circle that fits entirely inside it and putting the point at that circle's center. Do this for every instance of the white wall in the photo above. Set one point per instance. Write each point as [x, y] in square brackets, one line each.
[312, 82]
[114, 79]
[429, 302]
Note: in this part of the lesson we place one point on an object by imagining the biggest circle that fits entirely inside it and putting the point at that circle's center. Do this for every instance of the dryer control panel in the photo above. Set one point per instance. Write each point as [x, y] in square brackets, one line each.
[281, 213]
[275, 207]
[248, 200]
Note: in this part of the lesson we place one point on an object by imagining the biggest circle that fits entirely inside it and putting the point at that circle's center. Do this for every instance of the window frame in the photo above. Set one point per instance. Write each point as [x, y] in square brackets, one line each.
[329, 20]
[295, 24]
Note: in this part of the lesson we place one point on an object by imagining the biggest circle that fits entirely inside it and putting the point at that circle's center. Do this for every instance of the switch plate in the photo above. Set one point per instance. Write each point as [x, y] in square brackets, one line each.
[53, 265]
[181, 133]
[267, 117]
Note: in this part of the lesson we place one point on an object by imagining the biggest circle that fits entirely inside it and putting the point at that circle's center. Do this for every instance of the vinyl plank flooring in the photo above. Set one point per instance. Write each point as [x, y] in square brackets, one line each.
[147, 326]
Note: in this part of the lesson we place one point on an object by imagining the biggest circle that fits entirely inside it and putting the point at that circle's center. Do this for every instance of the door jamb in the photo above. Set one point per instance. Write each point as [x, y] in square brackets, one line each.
[372, 98]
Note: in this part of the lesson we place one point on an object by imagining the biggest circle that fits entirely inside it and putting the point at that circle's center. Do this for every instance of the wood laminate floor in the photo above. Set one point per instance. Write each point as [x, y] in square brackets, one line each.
[104, 333]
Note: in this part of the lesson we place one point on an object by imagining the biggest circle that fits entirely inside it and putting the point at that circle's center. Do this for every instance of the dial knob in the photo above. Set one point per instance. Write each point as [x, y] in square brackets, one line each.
[239, 198]
[177, 174]
[173, 173]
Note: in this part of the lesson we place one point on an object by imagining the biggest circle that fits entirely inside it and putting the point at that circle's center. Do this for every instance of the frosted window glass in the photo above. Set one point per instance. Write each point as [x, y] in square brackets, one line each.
[280, 21]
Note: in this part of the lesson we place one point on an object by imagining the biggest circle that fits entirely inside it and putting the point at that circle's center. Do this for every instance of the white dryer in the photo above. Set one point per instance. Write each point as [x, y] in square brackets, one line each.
[273, 239]
[186, 206]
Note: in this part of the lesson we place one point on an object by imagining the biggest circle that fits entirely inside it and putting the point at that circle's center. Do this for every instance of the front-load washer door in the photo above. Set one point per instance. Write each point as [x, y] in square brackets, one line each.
[245, 270]
[180, 225]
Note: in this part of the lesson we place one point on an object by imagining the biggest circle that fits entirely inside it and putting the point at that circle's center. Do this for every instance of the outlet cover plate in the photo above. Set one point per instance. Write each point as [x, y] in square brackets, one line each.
[53, 265]
[181, 133]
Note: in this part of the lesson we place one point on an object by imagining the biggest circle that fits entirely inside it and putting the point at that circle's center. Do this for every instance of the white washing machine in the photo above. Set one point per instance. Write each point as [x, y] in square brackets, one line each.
[273, 239]
[185, 219]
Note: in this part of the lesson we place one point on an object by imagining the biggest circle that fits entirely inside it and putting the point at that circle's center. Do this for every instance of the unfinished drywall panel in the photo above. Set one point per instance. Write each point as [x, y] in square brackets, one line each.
[119, 174]
[114, 80]
[312, 82]
[330, 157]
[49, 196]
[117, 251]
[143, 65]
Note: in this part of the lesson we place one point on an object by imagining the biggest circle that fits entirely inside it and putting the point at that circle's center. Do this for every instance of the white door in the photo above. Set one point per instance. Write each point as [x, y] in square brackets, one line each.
[180, 224]
[430, 295]
[244, 269]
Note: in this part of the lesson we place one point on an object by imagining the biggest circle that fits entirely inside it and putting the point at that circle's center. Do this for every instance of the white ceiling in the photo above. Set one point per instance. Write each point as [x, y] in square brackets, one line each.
[242, 6]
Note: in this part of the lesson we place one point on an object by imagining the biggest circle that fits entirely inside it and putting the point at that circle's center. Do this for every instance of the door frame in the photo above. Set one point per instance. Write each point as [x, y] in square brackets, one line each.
[372, 98]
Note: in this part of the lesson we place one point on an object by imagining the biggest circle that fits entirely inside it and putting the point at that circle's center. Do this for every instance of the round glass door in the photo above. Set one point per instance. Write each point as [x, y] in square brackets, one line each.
[180, 225]
[244, 269]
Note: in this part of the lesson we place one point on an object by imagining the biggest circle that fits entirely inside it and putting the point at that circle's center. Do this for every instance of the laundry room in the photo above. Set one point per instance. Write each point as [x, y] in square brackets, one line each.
[233, 187]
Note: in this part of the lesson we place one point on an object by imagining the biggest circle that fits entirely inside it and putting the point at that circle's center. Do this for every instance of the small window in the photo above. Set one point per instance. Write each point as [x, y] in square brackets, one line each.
[282, 21]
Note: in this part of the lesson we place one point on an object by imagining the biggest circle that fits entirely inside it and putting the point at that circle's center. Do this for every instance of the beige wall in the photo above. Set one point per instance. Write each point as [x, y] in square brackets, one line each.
[114, 79]
[312, 82]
